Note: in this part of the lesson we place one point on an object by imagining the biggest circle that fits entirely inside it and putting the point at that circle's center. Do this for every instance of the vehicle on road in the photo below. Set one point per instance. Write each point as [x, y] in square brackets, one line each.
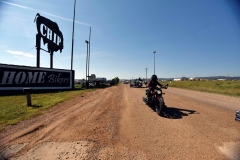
[101, 79]
[136, 83]
[125, 82]
[237, 116]
[132, 83]
[113, 82]
[156, 100]
[145, 82]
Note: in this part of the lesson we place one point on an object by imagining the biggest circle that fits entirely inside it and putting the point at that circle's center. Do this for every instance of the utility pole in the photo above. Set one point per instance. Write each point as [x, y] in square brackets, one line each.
[89, 51]
[73, 35]
[154, 60]
[146, 73]
[87, 64]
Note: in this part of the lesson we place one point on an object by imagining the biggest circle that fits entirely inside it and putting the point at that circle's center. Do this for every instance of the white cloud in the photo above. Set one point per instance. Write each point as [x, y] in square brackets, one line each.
[20, 53]
[20, 6]
[66, 19]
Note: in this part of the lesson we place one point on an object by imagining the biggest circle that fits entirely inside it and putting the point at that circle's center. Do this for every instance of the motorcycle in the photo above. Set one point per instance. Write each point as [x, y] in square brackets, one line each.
[139, 84]
[237, 116]
[136, 83]
[156, 100]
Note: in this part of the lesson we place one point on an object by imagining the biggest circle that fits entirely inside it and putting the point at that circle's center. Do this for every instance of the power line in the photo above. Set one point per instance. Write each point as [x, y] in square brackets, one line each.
[59, 60]
[21, 54]
[79, 57]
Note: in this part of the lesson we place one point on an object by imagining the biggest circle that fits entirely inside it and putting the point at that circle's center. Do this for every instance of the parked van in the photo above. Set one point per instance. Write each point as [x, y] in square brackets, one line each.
[101, 79]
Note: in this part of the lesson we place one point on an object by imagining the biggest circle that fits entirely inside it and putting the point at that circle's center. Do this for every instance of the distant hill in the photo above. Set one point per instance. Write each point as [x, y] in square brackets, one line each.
[219, 77]
[210, 78]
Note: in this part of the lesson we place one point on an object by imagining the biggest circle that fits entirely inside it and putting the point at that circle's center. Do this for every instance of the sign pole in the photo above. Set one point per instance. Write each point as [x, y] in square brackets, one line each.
[51, 59]
[38, 47]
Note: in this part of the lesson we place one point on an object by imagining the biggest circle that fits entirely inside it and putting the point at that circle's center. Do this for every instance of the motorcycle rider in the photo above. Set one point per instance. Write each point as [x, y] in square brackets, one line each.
[152, 84]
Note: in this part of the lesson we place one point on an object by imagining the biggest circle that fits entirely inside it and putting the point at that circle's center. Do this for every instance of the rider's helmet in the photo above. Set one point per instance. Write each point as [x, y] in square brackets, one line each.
[154, 77]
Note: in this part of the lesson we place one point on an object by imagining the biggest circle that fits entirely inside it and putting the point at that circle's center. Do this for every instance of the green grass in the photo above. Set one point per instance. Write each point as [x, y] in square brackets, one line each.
[231, 88]
[14, 108]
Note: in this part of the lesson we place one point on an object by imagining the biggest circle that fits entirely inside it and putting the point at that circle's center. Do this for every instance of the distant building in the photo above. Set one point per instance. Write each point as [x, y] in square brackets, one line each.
[192, 79]
[180, 79]
[92, 77]
[184, 78]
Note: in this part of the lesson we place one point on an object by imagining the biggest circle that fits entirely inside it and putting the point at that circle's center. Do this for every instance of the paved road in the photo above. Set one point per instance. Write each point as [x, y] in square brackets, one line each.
[114, 123]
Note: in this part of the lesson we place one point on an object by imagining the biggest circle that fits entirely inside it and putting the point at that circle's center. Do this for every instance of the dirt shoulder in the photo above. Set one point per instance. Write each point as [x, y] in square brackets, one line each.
[114, 123]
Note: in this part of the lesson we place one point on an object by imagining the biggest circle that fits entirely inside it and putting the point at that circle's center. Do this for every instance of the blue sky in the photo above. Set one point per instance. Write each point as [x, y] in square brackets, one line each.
[191, 38]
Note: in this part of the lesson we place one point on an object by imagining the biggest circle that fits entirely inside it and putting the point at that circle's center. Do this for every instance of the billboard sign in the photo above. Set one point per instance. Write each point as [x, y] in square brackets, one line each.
[49, 32]
[14, 77]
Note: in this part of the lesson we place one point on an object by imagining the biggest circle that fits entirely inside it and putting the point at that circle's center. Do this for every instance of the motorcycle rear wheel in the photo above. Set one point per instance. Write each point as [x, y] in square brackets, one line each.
[159, 106]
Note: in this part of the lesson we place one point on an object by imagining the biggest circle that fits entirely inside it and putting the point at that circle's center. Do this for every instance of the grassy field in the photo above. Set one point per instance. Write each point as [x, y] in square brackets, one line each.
[231, 88]
[14, 108]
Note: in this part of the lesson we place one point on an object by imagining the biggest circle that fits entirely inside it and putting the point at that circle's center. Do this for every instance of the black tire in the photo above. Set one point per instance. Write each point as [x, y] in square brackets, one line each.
[152, 106]
[159, 106]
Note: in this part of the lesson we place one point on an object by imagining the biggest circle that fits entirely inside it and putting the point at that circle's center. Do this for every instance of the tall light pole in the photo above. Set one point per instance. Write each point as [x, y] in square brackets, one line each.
[154, 60]
[86, 60]
[146, 73]
[89, 51]
[73, 35]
